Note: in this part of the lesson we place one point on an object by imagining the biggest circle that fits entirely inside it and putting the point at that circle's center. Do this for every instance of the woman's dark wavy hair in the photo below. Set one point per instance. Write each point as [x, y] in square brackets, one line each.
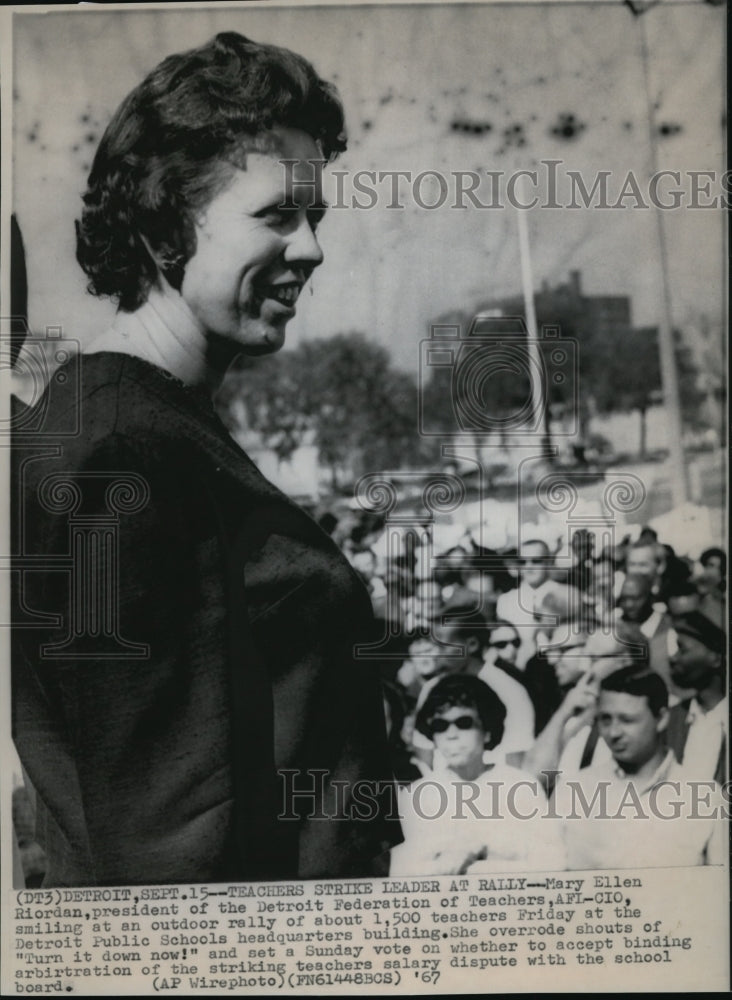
[164, 154]
[464, 691]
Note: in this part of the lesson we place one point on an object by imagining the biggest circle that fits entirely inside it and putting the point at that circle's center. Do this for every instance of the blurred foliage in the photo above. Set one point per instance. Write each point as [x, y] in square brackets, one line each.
[617, 368]
[341, 393]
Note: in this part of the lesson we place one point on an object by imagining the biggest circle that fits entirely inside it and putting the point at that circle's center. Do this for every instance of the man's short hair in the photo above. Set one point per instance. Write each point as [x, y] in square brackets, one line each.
[640, 682]
[463, 690]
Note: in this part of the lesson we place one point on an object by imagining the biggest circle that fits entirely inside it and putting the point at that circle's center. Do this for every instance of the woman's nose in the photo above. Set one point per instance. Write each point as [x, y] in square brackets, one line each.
[303, 246]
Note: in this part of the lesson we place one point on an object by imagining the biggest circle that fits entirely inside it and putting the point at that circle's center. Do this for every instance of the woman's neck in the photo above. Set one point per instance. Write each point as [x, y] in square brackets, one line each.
[471, 770]
[163, 331]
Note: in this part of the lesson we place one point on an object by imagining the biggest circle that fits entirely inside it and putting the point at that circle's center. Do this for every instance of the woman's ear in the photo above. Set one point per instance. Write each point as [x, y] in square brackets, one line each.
[170, 264]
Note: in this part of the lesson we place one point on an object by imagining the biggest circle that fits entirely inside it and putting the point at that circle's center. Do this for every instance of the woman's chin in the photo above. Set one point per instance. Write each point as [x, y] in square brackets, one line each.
[257, 339]
[271, 340]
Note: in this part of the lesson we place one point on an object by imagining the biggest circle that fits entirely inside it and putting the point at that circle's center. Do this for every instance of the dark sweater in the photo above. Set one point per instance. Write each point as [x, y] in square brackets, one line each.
[156, 723]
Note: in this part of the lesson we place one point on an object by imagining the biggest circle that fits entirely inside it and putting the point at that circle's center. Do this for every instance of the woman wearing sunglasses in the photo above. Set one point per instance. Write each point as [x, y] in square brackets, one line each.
[469, 815]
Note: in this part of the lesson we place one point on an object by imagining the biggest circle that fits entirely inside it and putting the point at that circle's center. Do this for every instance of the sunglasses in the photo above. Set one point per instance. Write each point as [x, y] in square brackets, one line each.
[462, 722]
[503, 643]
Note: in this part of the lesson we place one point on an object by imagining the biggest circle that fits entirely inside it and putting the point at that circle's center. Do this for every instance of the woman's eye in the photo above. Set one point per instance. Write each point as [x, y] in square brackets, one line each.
[277, 215]
[284, 216]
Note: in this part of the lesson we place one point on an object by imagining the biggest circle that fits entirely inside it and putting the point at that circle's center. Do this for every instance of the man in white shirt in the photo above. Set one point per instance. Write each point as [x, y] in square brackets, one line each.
[570, 739]
[639, 809]
[647, 622]
[526, 605]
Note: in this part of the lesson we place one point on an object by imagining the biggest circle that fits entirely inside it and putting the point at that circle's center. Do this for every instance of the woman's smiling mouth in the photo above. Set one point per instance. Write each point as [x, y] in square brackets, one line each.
[285, 293]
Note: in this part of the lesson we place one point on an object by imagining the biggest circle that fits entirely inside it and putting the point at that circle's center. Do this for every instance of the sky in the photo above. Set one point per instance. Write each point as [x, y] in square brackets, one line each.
[438, 87]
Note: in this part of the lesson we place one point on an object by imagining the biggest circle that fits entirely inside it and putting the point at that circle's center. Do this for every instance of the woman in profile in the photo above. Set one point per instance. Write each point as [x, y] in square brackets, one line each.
[188, 706]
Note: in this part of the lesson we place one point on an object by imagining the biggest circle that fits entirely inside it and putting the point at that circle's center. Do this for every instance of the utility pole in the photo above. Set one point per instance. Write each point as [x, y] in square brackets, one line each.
[539, 391]
[667, 348]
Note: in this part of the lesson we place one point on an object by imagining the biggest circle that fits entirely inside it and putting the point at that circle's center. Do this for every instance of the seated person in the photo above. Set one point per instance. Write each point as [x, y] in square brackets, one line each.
[697, 730]
[601, 594]
[641, 559]
[672, 571]
[642, 620]
[567, 656]
[570, 739]
[583, 557]
[539, 676]
[537, 599]
[502, 649]
[633, 810]
[684, 598]
[460, 646]
[472, 817]
[420, 666]
[712, 583]
[713, 574]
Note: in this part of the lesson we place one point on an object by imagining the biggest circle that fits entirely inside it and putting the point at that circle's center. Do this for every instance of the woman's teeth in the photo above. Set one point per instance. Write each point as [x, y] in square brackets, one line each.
[285, 294]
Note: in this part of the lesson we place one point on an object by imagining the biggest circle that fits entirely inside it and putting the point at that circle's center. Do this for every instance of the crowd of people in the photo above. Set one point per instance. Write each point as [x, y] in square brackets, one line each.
[522, 670]
[518, 683]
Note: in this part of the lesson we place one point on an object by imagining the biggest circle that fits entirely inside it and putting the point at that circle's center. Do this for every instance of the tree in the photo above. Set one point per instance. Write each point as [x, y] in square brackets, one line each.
[618, 366]
[342, 392]
[487, 385]
[264, 395]
[629, 376]
[481, 393]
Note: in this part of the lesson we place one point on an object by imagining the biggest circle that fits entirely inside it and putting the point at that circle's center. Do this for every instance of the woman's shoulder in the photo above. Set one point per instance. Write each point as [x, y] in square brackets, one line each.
[113, 411]
[91, 398]
[130, 393]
